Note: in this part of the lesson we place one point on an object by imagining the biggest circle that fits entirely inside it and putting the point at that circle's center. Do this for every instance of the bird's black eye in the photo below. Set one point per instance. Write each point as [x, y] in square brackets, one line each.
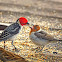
[17, 20]
[35, 27]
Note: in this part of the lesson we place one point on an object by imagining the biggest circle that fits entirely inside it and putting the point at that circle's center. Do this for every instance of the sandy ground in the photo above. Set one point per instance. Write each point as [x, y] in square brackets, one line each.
[27, 48]
[46, 16]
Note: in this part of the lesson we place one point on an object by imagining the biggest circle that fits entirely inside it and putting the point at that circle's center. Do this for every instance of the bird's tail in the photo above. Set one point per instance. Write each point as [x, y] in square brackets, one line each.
[58, 39]
[2, 27]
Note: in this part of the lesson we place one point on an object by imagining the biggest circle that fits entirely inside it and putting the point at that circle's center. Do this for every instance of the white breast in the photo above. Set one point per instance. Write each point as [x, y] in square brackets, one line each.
[37, 40]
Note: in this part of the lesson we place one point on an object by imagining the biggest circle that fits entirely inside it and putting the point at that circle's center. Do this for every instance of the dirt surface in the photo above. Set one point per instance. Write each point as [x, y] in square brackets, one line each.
[47, 14]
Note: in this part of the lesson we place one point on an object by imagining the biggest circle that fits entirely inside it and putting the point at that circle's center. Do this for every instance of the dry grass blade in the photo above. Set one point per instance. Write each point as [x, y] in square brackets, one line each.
[9, 56]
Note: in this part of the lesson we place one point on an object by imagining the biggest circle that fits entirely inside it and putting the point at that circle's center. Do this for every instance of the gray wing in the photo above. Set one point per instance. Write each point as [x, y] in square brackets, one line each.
[44, 35]
[2, 27]
[10, 31]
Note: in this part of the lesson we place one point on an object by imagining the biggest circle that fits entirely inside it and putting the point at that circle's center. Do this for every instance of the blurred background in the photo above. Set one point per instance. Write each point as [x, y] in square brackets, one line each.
[46, 9]
[46, 13]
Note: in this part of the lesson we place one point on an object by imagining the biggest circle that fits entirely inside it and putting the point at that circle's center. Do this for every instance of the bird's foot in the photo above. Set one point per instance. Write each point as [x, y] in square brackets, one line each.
[4, 46]
[17, 50]
[35, 48]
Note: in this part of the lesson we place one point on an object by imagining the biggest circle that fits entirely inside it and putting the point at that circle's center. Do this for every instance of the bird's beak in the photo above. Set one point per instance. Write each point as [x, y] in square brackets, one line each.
[31, 27]
[27, 23]
[32, 24]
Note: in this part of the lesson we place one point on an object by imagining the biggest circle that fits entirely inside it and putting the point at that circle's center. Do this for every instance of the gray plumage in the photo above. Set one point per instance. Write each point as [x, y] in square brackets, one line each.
[2, 27]
[45, 36]
[10, 31]
[42, 38]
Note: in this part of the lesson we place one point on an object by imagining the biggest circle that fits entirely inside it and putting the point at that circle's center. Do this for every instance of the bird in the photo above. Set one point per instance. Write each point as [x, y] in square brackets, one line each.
[11, 32]
[40, 37]
[2, 27]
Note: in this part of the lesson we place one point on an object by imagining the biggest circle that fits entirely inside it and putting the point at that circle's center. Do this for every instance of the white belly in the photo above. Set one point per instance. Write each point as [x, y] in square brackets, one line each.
[13, 37]
[38, 41]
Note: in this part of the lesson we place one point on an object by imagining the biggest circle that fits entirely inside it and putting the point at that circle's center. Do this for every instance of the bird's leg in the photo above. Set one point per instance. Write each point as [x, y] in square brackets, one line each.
[4, 44]
[13, 45]
[41, 48]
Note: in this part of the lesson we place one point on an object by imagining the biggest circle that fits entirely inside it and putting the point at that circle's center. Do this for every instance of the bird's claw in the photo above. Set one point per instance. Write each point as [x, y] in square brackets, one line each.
[17, 50]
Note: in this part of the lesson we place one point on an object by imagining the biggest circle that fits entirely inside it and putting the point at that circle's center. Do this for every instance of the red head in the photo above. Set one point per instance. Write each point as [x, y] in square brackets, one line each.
[23, 21]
